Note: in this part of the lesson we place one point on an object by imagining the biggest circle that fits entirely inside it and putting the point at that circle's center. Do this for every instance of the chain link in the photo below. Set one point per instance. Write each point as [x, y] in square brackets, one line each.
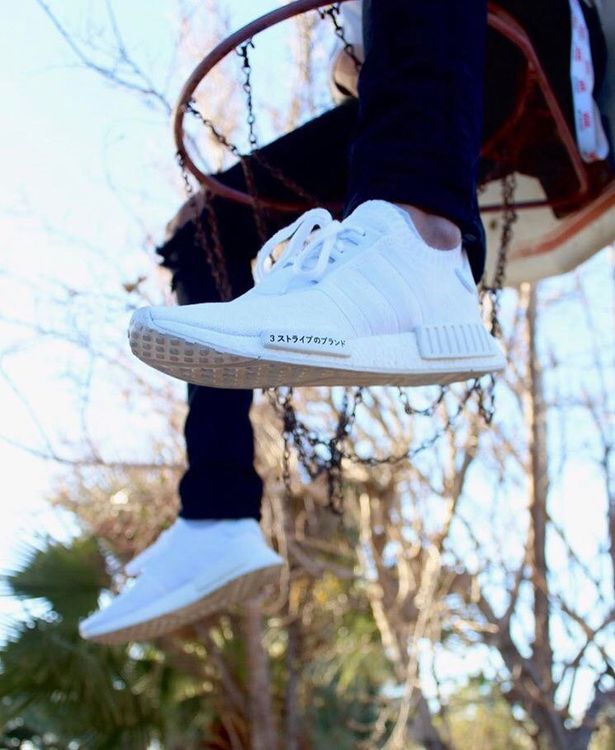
[486, 396]
[334, 14]
[292, 186]
[494, 292]
[214, 252]
[223, 141]
[296, 432]
[246, 68]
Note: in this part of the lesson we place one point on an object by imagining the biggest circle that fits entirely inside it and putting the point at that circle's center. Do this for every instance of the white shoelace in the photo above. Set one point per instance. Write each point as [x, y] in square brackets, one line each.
[313, 236]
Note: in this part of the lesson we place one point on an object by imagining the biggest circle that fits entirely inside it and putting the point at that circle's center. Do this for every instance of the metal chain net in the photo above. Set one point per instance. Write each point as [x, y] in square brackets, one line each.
[316, 454]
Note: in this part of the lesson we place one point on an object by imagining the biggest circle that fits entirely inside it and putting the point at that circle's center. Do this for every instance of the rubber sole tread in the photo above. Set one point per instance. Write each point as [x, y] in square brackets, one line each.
[234, 592]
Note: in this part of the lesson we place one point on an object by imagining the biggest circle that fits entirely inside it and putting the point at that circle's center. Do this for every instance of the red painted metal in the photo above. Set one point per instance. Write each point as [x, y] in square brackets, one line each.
[498, 19]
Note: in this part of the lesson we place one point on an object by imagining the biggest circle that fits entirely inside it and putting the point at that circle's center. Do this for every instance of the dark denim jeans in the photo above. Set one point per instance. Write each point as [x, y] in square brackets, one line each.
[414, 138]
[421, 111]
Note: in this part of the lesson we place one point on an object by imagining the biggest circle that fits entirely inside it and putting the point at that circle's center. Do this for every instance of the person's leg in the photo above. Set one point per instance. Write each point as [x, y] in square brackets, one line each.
[369, 301]
[420, 116]
[221, 481]
[215, 554]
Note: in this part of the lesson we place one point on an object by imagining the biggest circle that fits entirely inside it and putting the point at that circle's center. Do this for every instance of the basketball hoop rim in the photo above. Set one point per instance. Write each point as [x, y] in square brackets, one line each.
[228, 45]
[498, 18]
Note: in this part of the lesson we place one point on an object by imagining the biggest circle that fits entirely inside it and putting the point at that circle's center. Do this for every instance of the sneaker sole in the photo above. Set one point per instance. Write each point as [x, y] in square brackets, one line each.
[235, 591]
[431, 355]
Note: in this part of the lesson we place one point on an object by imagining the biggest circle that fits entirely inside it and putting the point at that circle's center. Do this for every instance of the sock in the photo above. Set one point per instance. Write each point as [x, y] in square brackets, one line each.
[196, 523]
[408, 219]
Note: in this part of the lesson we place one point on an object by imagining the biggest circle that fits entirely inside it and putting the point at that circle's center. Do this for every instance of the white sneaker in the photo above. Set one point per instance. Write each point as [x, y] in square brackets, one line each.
[194, 575]
[138, 563]
[360, 302]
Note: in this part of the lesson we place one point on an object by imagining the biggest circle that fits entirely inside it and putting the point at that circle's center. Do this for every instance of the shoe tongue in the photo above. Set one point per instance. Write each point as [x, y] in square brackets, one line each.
[381, 216]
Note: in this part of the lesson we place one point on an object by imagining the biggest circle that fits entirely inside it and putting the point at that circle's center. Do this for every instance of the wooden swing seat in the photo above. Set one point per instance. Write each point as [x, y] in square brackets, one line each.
[553, 234]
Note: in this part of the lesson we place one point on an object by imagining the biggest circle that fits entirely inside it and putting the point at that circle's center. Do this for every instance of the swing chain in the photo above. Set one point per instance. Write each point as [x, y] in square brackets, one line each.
[291, 185]
[286, 476]
[296, 433]
[243, 160]
[246, 68]
[334, 12]
[191, 108]
[486, 396]
[494, 292]
[258, 157]
[329, 459]
[317, 455]
[259, 214]
[214, 251]
[408, 455]
[429, 411]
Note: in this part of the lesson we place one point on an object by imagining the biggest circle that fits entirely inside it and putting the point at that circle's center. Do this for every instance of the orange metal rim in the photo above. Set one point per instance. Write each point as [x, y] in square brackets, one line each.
[498, 19]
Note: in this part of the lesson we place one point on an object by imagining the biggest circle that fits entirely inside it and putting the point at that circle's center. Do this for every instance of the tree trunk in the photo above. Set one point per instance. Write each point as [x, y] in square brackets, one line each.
[423, 729]
[260, 709]
[293, 717]
[539, 490]
[543, 712]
